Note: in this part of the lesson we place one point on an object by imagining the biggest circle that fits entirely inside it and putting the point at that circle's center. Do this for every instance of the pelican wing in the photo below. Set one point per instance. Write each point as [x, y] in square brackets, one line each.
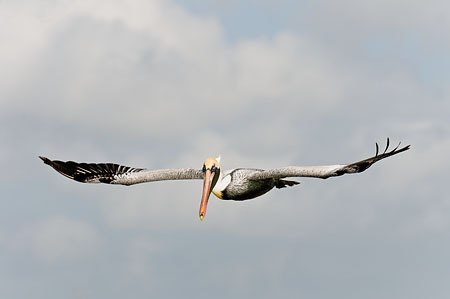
[110, 173]
[327, 170]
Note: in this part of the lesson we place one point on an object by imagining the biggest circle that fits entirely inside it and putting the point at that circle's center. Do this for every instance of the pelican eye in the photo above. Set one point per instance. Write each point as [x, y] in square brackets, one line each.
[204, 168]
[213, 168]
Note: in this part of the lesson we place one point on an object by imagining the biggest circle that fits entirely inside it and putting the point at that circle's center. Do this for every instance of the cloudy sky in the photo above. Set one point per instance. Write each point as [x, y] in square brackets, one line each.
[159, 84]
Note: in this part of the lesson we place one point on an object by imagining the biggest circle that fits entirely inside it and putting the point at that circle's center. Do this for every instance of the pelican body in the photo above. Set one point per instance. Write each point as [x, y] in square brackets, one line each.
[236, 184]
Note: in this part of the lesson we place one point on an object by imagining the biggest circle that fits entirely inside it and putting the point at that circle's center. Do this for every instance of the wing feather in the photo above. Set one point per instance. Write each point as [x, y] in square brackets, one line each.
[327, 171]
[111, 173]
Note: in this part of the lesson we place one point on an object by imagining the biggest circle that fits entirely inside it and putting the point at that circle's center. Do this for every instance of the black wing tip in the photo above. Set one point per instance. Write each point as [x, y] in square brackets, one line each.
[386, 153]
[405, 148]
[364, 164]
[89, 172]
[46, 160]
[394, 151]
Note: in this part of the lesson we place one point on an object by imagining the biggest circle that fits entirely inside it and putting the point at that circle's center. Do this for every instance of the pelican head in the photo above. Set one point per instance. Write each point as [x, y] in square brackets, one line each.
[211, 169]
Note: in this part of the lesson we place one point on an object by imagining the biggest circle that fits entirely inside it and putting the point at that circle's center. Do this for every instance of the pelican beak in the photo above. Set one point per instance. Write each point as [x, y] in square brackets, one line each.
[206, 192]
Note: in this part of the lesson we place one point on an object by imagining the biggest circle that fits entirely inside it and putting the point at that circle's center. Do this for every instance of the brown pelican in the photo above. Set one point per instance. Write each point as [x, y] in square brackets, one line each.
[236, 184]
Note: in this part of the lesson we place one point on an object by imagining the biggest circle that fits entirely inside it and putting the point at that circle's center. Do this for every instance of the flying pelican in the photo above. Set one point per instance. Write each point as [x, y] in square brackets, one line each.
[236, 184]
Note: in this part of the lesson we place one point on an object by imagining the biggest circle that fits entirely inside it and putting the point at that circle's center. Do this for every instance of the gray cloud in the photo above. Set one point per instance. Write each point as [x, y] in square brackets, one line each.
[58, 240]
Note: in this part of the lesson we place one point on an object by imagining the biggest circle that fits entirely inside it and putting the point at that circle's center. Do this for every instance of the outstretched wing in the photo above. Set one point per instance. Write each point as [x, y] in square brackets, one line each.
[327, 170]
[110, 173]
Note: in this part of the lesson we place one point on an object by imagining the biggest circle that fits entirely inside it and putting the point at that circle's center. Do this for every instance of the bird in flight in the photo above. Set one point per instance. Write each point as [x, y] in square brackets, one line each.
[236, 184]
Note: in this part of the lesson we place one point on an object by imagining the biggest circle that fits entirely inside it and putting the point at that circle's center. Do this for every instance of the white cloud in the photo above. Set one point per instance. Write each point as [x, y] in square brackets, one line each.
[288, 69]
[136, 68]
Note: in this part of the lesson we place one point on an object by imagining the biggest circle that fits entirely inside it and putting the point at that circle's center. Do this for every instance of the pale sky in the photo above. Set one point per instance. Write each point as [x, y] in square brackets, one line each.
[160, 84]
